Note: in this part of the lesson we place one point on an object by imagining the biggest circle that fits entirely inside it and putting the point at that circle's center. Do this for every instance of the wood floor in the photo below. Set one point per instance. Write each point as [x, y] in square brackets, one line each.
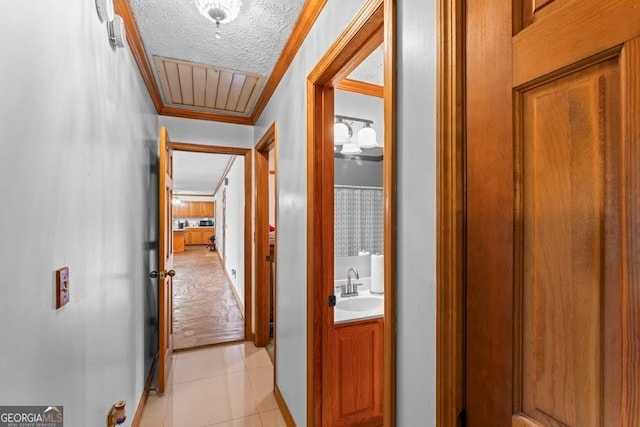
[205, 311]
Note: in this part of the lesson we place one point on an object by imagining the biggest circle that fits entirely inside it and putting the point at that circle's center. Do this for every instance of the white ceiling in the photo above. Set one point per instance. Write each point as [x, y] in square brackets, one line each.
[251, 44]
[248, 50]
[198, 173]
[371, 70]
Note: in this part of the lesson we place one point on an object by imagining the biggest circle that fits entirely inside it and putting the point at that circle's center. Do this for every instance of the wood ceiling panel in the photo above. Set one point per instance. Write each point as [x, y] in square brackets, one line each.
[171, 68]
[206, 87]
[234, 94]
[254, 95]
[247, 89]
[186, 83]
[199, 85]
[163, 77]
[211, 90]
[224, 86]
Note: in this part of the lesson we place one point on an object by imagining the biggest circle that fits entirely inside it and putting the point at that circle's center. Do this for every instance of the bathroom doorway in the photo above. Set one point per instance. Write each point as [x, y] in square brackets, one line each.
[358, 389]
[210, 286]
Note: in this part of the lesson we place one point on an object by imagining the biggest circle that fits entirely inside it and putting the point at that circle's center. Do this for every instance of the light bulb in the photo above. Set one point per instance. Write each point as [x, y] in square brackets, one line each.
[341, 133]
[350, 149]
[367, 137]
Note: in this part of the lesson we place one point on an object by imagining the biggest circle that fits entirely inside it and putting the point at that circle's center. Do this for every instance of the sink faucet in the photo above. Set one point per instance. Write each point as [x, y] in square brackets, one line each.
[352, 288]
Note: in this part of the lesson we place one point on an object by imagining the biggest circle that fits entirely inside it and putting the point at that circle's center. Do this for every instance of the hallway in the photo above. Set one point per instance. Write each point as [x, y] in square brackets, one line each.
[205, 310]
[221, 386]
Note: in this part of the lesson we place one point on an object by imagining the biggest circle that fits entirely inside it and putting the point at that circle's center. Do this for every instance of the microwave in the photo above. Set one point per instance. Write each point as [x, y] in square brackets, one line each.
[206, 223]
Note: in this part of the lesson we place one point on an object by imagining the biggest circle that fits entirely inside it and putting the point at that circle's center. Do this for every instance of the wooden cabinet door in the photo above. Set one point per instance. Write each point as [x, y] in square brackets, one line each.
[356, 361]
[195, 209]
[553, 213]
[187, 237]
[207, 209]
[182, 210]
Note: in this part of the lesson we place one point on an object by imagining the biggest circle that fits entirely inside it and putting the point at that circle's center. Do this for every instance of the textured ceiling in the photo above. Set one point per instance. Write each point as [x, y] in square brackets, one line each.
[251, 44]
[372, 69]
[197, 173]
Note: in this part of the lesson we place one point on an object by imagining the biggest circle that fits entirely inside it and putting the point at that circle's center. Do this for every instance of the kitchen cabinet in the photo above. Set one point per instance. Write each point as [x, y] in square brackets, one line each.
[199, 209]
[181, 210]
[178, 241]
[194, 210]
[198, 235]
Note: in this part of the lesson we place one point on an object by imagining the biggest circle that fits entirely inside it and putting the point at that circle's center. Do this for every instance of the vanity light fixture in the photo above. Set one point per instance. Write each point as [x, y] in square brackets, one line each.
[343, 131]
[219, 11]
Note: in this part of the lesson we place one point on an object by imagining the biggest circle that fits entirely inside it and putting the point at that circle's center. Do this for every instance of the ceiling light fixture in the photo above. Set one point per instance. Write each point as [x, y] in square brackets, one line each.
[219, 11]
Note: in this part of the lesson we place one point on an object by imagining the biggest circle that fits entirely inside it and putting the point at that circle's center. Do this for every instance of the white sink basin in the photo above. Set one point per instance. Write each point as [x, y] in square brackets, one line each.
[360, 304]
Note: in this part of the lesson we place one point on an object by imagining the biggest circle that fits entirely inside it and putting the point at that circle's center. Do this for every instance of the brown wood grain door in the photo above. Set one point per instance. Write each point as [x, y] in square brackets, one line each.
[165, 263]
[352, 384]
[553, 213]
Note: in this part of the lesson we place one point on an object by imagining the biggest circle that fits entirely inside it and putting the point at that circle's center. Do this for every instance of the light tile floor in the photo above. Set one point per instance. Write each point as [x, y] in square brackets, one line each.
[222, 386]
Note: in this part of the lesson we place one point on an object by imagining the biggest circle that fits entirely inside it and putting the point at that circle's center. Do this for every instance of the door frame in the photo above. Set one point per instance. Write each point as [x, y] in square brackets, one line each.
[247, 153]
[450, 201]
[268, 142]
[373, 26]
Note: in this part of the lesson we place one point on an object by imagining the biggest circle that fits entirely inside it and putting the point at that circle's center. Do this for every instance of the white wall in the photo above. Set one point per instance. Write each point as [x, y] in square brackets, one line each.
[416, 192]
[233, 254]
[363, 107]
[288, 108]
[416, 188]
[208, 133]
[79, 138]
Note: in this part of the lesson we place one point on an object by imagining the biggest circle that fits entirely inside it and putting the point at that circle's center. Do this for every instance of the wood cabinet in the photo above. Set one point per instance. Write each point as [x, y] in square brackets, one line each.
[178, 240]
[181, 210]
[191, 209]
[198, 235]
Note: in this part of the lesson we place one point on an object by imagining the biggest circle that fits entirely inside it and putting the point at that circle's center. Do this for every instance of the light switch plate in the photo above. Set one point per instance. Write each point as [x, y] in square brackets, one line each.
[62, 286]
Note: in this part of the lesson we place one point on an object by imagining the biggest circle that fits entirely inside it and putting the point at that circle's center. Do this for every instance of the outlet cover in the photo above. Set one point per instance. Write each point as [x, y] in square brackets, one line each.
[62, 286]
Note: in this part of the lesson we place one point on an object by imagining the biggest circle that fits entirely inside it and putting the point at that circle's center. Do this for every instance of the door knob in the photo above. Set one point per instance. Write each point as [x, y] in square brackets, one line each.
[162, 274]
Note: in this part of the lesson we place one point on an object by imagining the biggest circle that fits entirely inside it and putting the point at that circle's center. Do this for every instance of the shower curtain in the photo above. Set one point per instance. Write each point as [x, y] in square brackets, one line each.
[358, 222]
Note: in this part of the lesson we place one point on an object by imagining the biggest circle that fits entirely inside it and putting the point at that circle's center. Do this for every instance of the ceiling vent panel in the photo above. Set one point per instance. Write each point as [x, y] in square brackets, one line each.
[206, 87]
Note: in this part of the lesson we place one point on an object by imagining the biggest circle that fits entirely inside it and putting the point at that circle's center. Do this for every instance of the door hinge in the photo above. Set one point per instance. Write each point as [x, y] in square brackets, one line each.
[462, 418]
[332, 300]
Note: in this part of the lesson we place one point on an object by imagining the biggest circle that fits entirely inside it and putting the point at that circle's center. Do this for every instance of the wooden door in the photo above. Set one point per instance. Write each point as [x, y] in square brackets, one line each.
[553, 210]
[165, 263]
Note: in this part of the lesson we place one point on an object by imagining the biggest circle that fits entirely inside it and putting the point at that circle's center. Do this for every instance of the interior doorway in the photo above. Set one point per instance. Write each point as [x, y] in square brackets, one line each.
[266, 239]
[212, 274]
[351, 369]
